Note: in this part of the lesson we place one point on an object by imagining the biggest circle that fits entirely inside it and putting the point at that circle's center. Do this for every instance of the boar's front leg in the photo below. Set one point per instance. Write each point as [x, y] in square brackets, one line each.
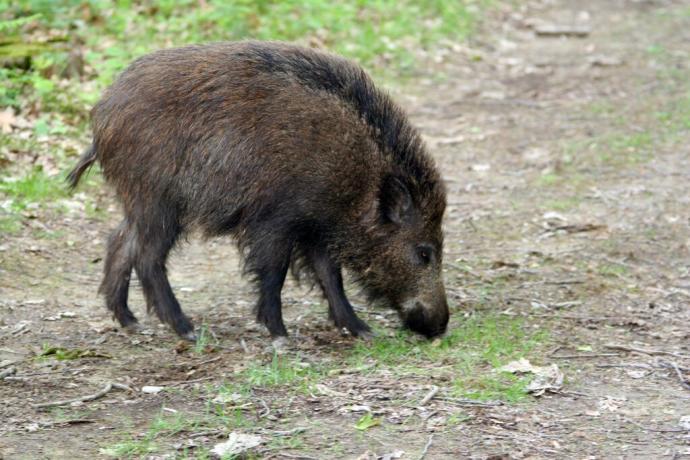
[329, 276]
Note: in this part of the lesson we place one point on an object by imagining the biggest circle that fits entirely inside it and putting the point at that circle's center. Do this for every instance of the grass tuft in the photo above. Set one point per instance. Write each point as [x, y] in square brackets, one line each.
[33, 188]
[468, 354]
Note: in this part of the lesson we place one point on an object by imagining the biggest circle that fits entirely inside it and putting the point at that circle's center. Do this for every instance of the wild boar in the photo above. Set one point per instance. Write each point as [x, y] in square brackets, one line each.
[291, 151]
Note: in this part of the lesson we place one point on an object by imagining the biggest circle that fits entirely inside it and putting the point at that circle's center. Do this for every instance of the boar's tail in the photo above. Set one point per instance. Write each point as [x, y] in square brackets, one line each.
[87, 159]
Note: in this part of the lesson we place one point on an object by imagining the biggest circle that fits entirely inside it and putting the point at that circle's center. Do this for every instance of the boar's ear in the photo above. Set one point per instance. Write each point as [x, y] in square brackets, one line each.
[396, 201]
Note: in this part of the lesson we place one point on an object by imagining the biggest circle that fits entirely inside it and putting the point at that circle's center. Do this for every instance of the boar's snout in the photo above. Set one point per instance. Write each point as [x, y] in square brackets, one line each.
[429, 319]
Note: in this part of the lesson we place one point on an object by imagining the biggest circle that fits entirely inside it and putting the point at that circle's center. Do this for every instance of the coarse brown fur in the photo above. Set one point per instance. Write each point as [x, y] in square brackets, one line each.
[291, 151]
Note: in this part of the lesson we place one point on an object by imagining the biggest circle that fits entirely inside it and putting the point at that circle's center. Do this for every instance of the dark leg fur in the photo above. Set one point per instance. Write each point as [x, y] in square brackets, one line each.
[270, 262]
[157, 234]
[328, 274]
[118, 269]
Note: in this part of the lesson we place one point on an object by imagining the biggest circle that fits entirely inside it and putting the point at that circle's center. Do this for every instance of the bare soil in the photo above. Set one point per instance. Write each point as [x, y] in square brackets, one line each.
[567, 162]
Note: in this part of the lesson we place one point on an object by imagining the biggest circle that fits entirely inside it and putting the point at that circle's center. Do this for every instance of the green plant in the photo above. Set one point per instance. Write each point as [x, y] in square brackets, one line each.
[34, 187]
[469, 351]
[282, 370]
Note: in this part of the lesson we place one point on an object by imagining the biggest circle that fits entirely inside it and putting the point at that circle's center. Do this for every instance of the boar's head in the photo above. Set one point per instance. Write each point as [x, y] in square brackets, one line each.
[405, 254]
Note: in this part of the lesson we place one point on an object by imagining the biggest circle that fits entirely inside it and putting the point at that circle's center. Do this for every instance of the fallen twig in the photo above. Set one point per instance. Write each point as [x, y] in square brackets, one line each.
[613, 319]
[661, 365]
[426, 447]
[657, 430]
[7, 350]
[7, 372]
[215, 433]
[651, 352]
[633, 365]
[471, 402]
[59, 371]
[591, 355]
[558, 30]
[208, 361]
[684, 383]
[174, 383]
[8, 363]
[267, 410]
[76, 421]
[243, 344]
[286, 455]
[429, 396]
[292, 432]
[91, 397]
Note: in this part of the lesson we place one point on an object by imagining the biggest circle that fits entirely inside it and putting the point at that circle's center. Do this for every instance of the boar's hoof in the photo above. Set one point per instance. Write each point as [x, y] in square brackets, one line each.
[132, 328]
[280, 345]
[189, 336]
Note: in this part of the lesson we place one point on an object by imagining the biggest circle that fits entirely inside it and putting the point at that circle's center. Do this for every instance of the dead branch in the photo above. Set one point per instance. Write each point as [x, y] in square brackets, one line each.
[292, 432]
[471, 402]
[208, 361]
[429, 396]
[214, 433]
[298, 456]
[587, 356]
[105, 390]
[267, 410]
[684, 383]
[75, 421]
[8, 363]
[593, 319]
[562, 30]
[658, 430]
[7, 372]
[426, 447]
[174, 383]
[650, 352]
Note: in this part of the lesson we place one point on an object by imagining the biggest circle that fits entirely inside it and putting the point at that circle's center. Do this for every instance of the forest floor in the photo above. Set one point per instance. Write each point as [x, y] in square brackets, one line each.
[563, 134]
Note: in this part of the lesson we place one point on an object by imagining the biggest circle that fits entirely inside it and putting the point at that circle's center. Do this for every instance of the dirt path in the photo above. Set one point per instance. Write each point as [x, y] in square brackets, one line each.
[567, 160]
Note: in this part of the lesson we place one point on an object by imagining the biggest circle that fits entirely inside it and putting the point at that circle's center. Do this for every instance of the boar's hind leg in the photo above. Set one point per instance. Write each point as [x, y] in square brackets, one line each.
[328, 274]
[157, 234]
[118, 268]
[269, 261]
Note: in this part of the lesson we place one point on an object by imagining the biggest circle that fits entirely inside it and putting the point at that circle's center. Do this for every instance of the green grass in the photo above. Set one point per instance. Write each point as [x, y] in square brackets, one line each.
[562, 204]
[287, 371]
[549, 179]
[469, 353]
[627, 148]
[34, 187]
[163, 426]
[612, 270]
[204, 340]
[504, 387]
[284, 370]
[161, 433]
[10, 224]
[384, 35]
[42, 43]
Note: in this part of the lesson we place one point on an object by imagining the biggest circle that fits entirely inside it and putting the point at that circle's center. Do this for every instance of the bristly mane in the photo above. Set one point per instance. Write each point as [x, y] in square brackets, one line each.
[320, 71]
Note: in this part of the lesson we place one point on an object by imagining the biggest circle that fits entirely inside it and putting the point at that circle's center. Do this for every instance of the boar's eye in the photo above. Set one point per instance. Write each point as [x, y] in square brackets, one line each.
[424, 254]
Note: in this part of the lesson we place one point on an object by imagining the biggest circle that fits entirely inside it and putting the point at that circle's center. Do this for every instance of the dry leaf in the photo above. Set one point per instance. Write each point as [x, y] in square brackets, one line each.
[7, 120]
[684, 422]
[547, 378]
[236, 444]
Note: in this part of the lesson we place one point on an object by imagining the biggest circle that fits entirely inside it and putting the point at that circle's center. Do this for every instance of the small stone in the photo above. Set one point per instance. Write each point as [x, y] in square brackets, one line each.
[151, 389]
